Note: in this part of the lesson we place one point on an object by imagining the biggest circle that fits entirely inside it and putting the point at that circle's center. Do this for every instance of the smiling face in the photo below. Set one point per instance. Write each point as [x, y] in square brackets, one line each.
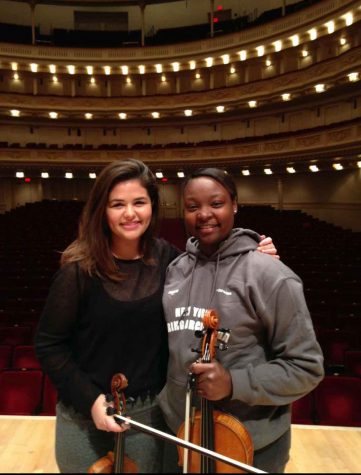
[128, 214]
[208, 212]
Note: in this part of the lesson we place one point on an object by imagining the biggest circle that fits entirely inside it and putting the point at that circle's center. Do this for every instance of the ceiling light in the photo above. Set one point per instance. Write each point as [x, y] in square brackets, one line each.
[353, 77]
[242, 55]
[291, 170]
[155, 115]
[53, 115]
[225, 58]
[159, 174]
[348, 18]
[337, 166]
[158, 68]
[34, 67]
[220, 109]
[192, 64]
[314, 168]
[330, 25]
[359, 164]
[278, 45]
[69, 175]
[141, 68]
[89, 70]
[319, 87]
[122, 115]
[295, 40]
[92, 175]
[125, 70]
[52, 68]
[209, 62]
[107, 70]
[188, 112]
[313, 34]
[14, 66]
[267, 171]
[260, 50]
[44, 175]
[246, 172]
[252, 103]
[180, 174]
[286, 96]
[88, 115]
[15, 112]
[71, 69]
[19, 174]
[175, 66]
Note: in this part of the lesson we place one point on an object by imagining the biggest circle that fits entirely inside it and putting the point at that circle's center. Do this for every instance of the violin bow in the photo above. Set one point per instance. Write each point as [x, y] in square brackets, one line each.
[189, 414]
[187, 445]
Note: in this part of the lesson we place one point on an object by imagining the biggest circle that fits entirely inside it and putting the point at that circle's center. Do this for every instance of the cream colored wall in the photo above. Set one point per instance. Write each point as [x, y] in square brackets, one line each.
[331, 196]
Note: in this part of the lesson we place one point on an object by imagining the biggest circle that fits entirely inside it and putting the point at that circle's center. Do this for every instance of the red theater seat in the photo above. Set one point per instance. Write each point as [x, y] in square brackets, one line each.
[24, 358]
[338, 401]
[303, 410]
[353, 362]
[20, 391]
[15, 335]
[50, 397]
[5, 356]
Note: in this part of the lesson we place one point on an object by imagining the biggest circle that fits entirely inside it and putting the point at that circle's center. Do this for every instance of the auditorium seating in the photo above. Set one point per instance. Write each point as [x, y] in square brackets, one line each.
[338, 401]
[24, 358]
[49, 398]
[5, 356]
[303, 410]
[20, 391]
[353, 362]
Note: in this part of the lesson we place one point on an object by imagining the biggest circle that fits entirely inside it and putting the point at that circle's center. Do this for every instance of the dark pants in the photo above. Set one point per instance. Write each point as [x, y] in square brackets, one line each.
[274, 457]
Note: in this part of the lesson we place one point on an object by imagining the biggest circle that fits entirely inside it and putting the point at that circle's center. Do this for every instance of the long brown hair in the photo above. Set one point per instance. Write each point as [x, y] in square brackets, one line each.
[91, 248]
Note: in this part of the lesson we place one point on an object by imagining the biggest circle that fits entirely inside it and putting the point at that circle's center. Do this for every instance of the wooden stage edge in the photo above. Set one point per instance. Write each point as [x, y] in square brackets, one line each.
[27, 446]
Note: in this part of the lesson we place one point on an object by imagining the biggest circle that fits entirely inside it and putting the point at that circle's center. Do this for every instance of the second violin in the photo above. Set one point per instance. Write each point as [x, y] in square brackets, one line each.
[210, 428]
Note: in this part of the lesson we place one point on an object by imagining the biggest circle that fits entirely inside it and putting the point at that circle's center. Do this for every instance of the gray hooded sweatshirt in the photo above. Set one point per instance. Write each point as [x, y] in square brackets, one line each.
[273, 355]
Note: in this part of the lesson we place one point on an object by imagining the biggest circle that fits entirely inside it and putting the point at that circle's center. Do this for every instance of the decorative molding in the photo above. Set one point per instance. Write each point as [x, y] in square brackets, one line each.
[331, 141]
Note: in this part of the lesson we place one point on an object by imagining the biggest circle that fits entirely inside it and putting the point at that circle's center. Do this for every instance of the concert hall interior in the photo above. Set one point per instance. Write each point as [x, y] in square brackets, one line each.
[267, 90]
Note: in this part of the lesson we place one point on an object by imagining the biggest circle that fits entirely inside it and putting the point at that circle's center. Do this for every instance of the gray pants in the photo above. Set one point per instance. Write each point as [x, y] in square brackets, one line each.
[79, 444]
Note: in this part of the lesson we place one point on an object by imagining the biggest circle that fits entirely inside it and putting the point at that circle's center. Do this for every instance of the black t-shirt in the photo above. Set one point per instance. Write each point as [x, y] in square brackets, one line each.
[91, 329]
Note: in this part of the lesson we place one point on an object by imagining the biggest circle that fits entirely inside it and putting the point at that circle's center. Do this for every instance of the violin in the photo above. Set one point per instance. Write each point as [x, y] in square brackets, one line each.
[212, 429]
[117, 461]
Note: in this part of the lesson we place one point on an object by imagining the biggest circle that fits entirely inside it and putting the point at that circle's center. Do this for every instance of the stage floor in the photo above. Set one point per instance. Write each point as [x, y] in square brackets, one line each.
[27, 446]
